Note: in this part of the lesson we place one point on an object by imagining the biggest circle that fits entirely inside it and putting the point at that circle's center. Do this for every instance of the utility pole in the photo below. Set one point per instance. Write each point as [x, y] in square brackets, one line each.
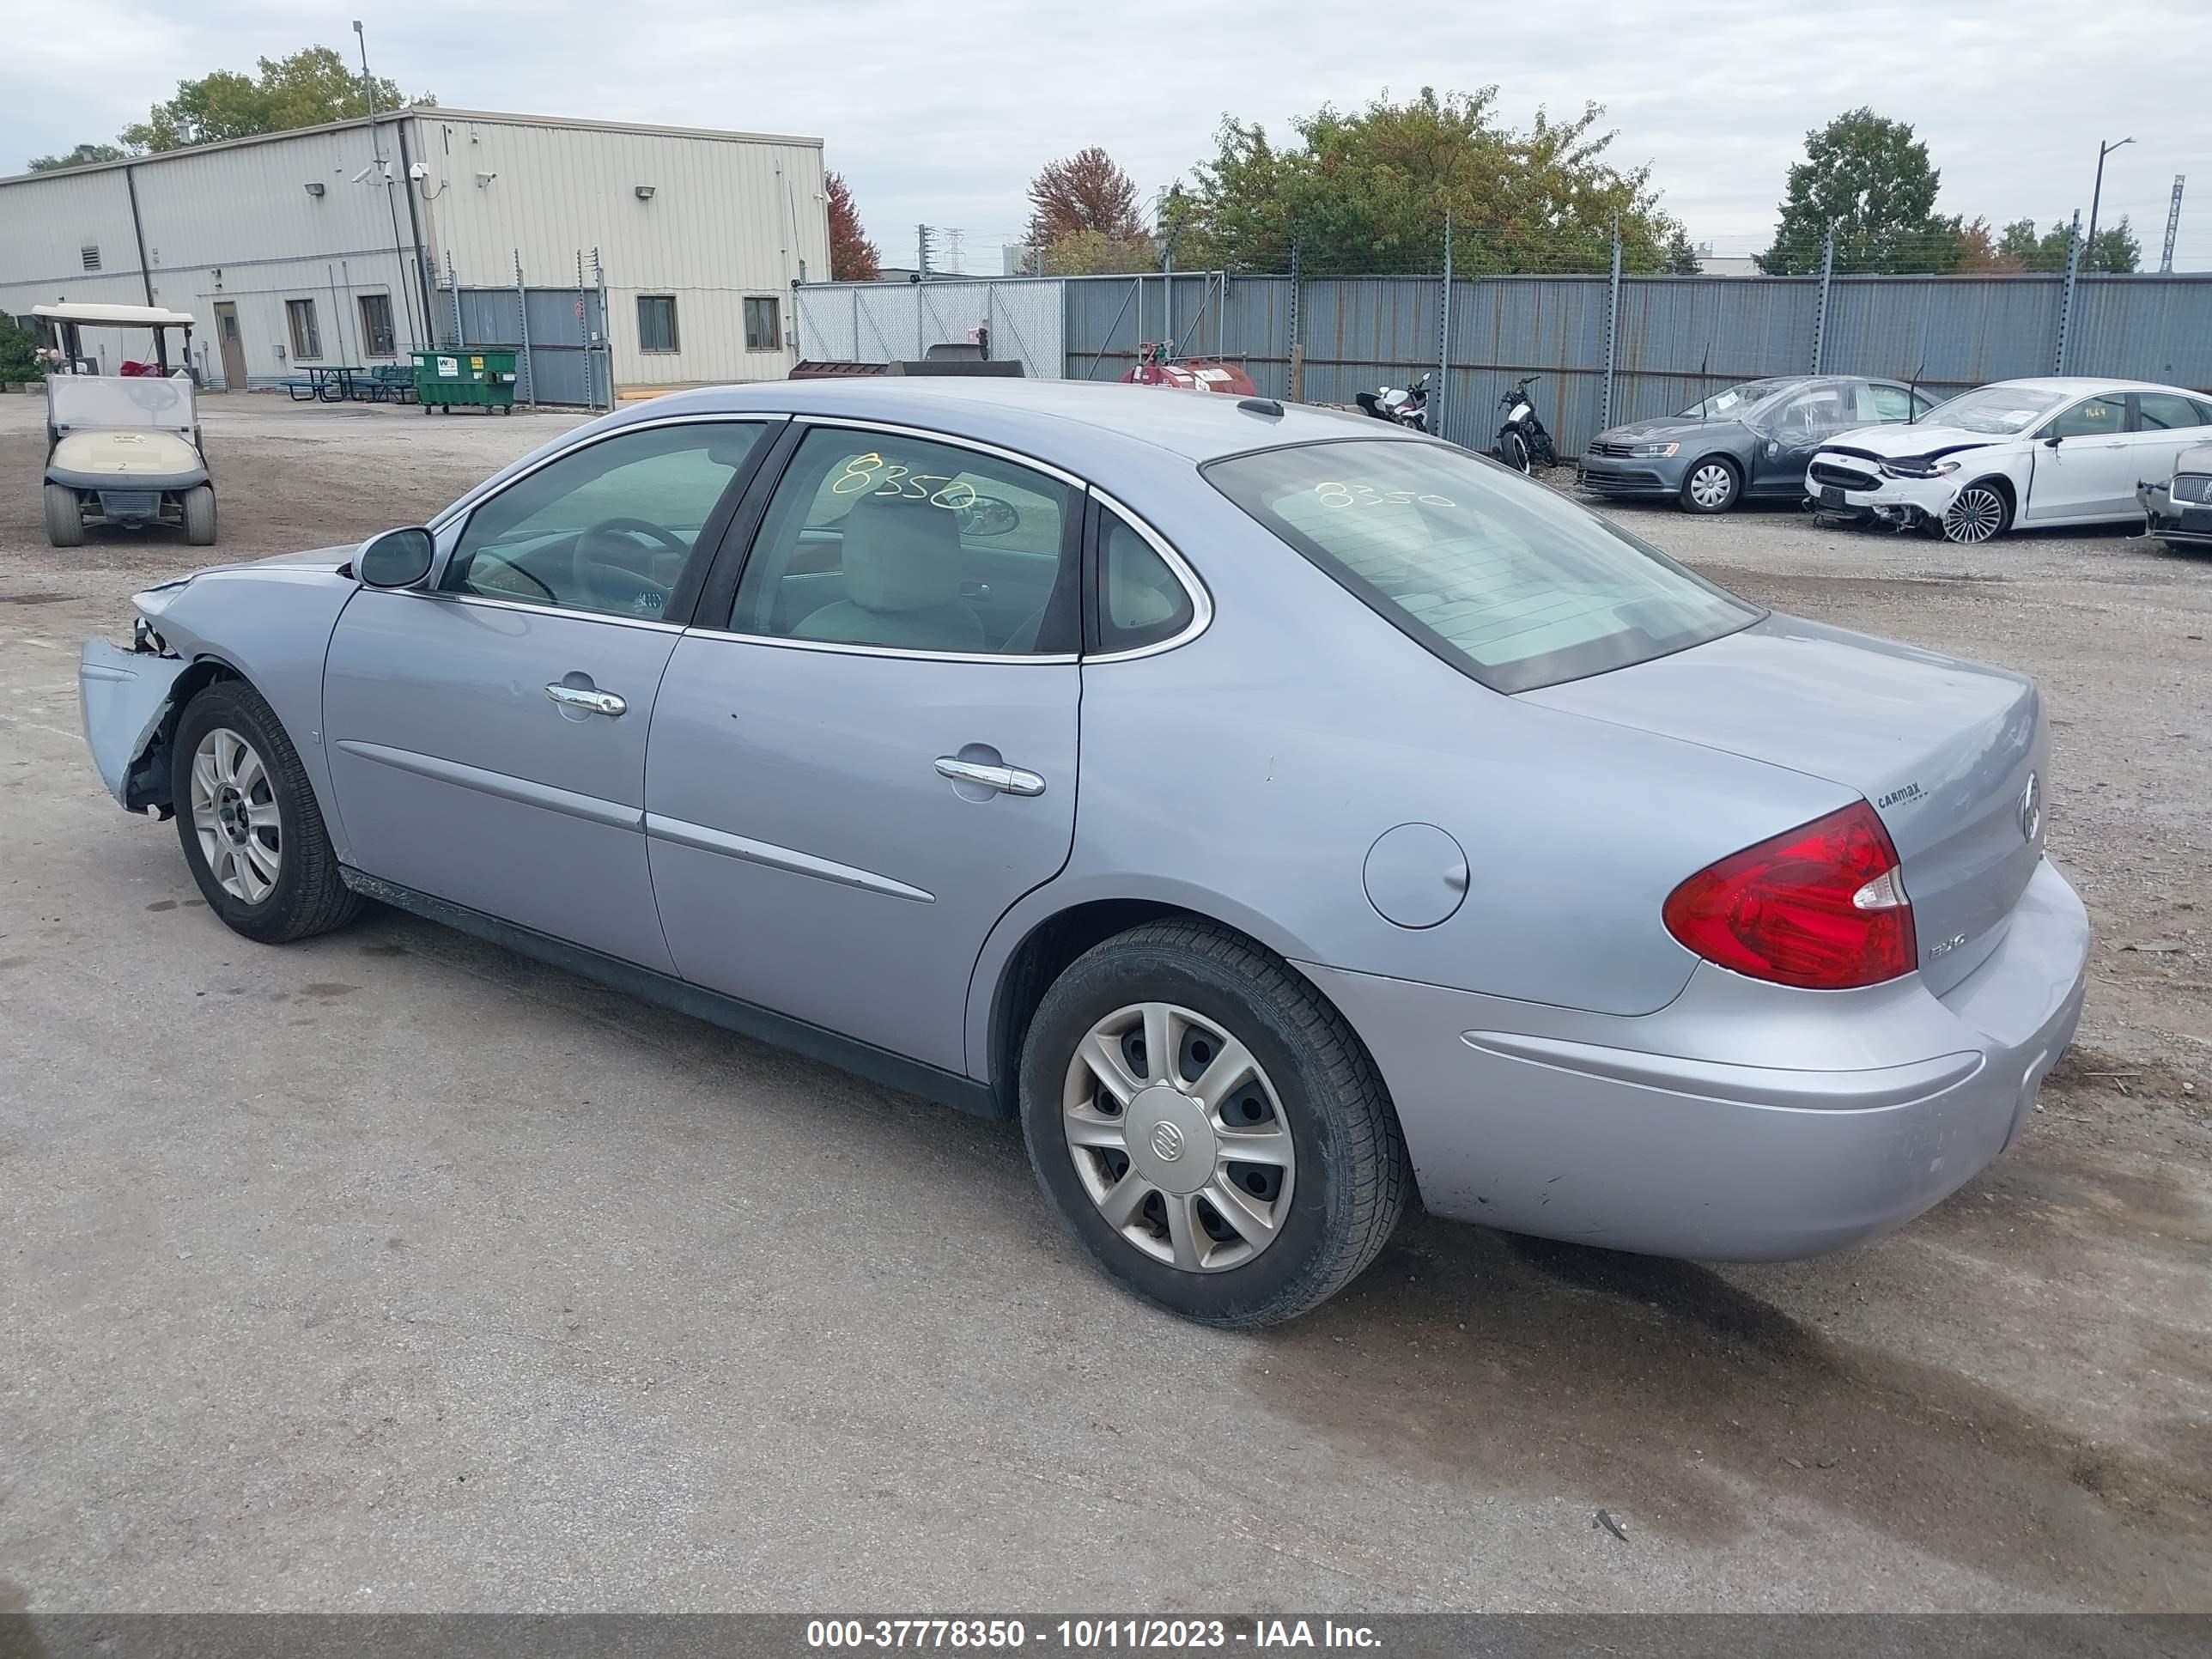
[383, 178]
[921, 249]
[2097, 190]
[2173, 225]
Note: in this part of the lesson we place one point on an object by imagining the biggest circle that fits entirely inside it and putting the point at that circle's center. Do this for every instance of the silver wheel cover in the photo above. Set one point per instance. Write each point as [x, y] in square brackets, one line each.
[1711, 484]
[1191, 1160]
[234, 808]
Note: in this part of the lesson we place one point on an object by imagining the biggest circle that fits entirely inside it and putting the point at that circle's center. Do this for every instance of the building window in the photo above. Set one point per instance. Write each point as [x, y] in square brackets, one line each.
[307, 338]
[761, 333]
[656, 322]
[376, 325]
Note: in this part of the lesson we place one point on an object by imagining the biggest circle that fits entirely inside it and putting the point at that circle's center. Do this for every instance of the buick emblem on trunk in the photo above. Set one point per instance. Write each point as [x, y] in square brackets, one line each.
[2031, 808]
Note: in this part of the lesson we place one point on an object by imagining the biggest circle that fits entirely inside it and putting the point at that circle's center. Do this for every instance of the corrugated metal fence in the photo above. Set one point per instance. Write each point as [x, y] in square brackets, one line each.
[1676, 337]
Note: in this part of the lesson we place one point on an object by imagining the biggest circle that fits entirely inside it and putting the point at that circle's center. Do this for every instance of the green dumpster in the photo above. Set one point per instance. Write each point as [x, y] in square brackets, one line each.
[465, 376]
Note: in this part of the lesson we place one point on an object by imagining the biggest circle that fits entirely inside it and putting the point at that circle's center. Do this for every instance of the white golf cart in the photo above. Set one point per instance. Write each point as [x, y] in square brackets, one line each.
[122, 448]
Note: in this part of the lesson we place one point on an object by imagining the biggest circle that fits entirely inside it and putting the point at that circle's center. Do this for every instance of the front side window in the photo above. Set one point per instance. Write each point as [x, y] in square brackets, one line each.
[656, 322]
[2166, 411]
[376, 325]
[307, 338]
[1503, 578]
[607, 528]
[1995, 411]
[762, 332]
[1815, 414]
[2102, 416]
[878, 539]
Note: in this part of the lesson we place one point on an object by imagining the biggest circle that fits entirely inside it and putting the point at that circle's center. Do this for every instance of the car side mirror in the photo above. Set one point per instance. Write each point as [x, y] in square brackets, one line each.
[2052, 442]
[397, 558]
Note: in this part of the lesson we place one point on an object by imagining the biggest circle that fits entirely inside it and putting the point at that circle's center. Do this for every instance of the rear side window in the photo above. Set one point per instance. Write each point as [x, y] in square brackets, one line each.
[2166, 411]
[1500, 576]
[1140, 602]
[1883, 402]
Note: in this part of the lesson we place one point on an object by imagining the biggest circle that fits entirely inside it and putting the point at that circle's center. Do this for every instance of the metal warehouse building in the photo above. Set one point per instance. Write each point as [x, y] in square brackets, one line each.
[360, 242]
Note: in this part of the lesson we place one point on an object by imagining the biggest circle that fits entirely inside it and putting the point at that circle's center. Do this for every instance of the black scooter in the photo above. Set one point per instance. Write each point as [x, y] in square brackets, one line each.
[1522, 442]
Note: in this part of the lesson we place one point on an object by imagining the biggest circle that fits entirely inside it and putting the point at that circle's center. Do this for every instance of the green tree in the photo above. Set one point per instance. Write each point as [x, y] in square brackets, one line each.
[308, 88]
[2117, 249]
[17, 366]
[1369, 191]
[1096, 253]
[82, 155]
[1869, 180]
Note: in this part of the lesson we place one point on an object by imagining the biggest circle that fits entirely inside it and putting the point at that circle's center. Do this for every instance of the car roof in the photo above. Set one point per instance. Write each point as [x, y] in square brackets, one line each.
[2086, 384]
[1200, 425]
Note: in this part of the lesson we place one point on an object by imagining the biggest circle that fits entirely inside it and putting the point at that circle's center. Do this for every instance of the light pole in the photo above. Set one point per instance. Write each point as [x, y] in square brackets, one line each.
[2103, 150]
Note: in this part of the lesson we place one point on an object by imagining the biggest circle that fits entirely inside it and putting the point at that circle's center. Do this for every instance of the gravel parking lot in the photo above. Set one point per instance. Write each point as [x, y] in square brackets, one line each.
[395, 1271]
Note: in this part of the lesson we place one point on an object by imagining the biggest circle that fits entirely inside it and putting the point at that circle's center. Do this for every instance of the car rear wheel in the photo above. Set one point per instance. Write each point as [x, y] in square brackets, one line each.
[252, 830]
[1712, 486]
[199, 516]
[1209, 1127]
[1977, 513]
[64, 519]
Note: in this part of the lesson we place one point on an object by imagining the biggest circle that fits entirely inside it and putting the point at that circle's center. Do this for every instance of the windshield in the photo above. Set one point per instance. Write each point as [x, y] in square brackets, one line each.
[1996, 409]
[1736, 401]
[1502, 577]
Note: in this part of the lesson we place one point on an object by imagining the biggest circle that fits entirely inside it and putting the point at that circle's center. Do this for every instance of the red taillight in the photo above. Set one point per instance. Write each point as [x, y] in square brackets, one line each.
[1820, 906]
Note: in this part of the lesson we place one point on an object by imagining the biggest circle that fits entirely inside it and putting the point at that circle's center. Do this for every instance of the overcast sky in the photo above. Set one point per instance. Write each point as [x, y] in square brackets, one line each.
[942, 112]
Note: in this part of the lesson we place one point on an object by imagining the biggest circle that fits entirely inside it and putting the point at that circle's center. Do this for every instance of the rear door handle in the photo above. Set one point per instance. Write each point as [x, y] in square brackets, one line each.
[1006, 780]
[591, 701]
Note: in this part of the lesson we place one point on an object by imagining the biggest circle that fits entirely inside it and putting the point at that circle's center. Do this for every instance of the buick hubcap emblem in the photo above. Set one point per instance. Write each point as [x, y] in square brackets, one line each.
[1167, 1142]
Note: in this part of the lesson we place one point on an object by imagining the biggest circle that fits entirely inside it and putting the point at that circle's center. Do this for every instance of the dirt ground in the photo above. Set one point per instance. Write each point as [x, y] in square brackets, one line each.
[395, 1271]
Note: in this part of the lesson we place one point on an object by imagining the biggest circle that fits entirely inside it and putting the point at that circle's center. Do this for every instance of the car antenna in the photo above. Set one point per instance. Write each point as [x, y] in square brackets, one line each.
[1911, 397]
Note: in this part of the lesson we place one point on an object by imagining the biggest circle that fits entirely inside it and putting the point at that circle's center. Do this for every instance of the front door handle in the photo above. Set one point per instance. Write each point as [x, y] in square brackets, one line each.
[591, 701]
[1006, 780]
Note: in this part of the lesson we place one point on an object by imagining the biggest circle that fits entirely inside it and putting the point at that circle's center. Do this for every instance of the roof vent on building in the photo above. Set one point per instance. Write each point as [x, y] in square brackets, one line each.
[90, 254]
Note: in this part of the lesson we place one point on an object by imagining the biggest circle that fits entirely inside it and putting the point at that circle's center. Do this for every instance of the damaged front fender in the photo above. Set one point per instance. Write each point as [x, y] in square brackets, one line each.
[126, 697]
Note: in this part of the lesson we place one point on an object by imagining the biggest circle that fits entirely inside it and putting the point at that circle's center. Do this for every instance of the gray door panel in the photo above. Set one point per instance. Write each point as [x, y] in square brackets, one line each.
[808, 856]
[457, 775]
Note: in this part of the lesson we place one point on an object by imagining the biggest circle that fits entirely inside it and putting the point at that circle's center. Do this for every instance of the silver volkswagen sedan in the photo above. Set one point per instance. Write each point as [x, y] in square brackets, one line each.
[1280, 813]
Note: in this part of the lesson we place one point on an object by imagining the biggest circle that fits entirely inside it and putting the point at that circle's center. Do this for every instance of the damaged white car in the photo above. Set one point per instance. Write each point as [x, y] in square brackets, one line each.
[2064, 450]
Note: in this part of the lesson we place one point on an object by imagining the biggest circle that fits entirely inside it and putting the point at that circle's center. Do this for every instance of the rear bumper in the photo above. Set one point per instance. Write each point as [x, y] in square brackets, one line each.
[1745, 1122]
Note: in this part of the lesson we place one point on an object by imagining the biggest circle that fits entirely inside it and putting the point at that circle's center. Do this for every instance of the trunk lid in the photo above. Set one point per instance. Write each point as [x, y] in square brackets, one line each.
[1950, 753]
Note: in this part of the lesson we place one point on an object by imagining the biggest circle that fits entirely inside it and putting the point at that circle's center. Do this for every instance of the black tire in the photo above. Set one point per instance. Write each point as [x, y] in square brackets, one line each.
[1513, 450]
[1352, 1180]
[1697, 484]
[199, 516]
[427, 408]
[308, 897]
[64, 521]
[1980, 512]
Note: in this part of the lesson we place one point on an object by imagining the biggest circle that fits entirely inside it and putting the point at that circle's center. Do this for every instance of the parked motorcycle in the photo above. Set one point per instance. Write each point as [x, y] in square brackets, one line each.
[1522, 442]
[1400, 405]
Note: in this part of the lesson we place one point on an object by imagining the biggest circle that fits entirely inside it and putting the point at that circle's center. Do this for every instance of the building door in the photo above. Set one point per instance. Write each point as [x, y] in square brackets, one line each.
[233, 346]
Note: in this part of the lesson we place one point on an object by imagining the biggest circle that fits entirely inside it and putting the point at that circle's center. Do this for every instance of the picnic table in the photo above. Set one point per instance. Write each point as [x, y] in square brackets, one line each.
[330, 383]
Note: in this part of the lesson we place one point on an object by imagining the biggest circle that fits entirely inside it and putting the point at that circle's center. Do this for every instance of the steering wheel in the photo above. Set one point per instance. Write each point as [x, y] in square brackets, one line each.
[599, 577]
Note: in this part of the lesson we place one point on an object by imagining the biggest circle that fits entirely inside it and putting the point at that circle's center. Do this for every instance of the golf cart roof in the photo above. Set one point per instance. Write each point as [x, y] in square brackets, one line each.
[101, 316]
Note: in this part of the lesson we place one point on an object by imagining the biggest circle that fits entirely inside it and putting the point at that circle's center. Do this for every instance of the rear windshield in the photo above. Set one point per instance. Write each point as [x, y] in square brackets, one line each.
[1501, 576]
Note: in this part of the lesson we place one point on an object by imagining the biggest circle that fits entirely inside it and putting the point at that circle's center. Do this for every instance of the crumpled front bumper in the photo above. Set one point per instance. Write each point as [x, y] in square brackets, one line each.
[1903, 502]
[124, 697]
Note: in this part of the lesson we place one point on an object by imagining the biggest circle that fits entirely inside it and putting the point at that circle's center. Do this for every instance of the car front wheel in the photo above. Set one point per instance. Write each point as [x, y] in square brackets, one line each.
[1976, 514]
[1711, 486]
[1209, 1127]
[252, 830]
